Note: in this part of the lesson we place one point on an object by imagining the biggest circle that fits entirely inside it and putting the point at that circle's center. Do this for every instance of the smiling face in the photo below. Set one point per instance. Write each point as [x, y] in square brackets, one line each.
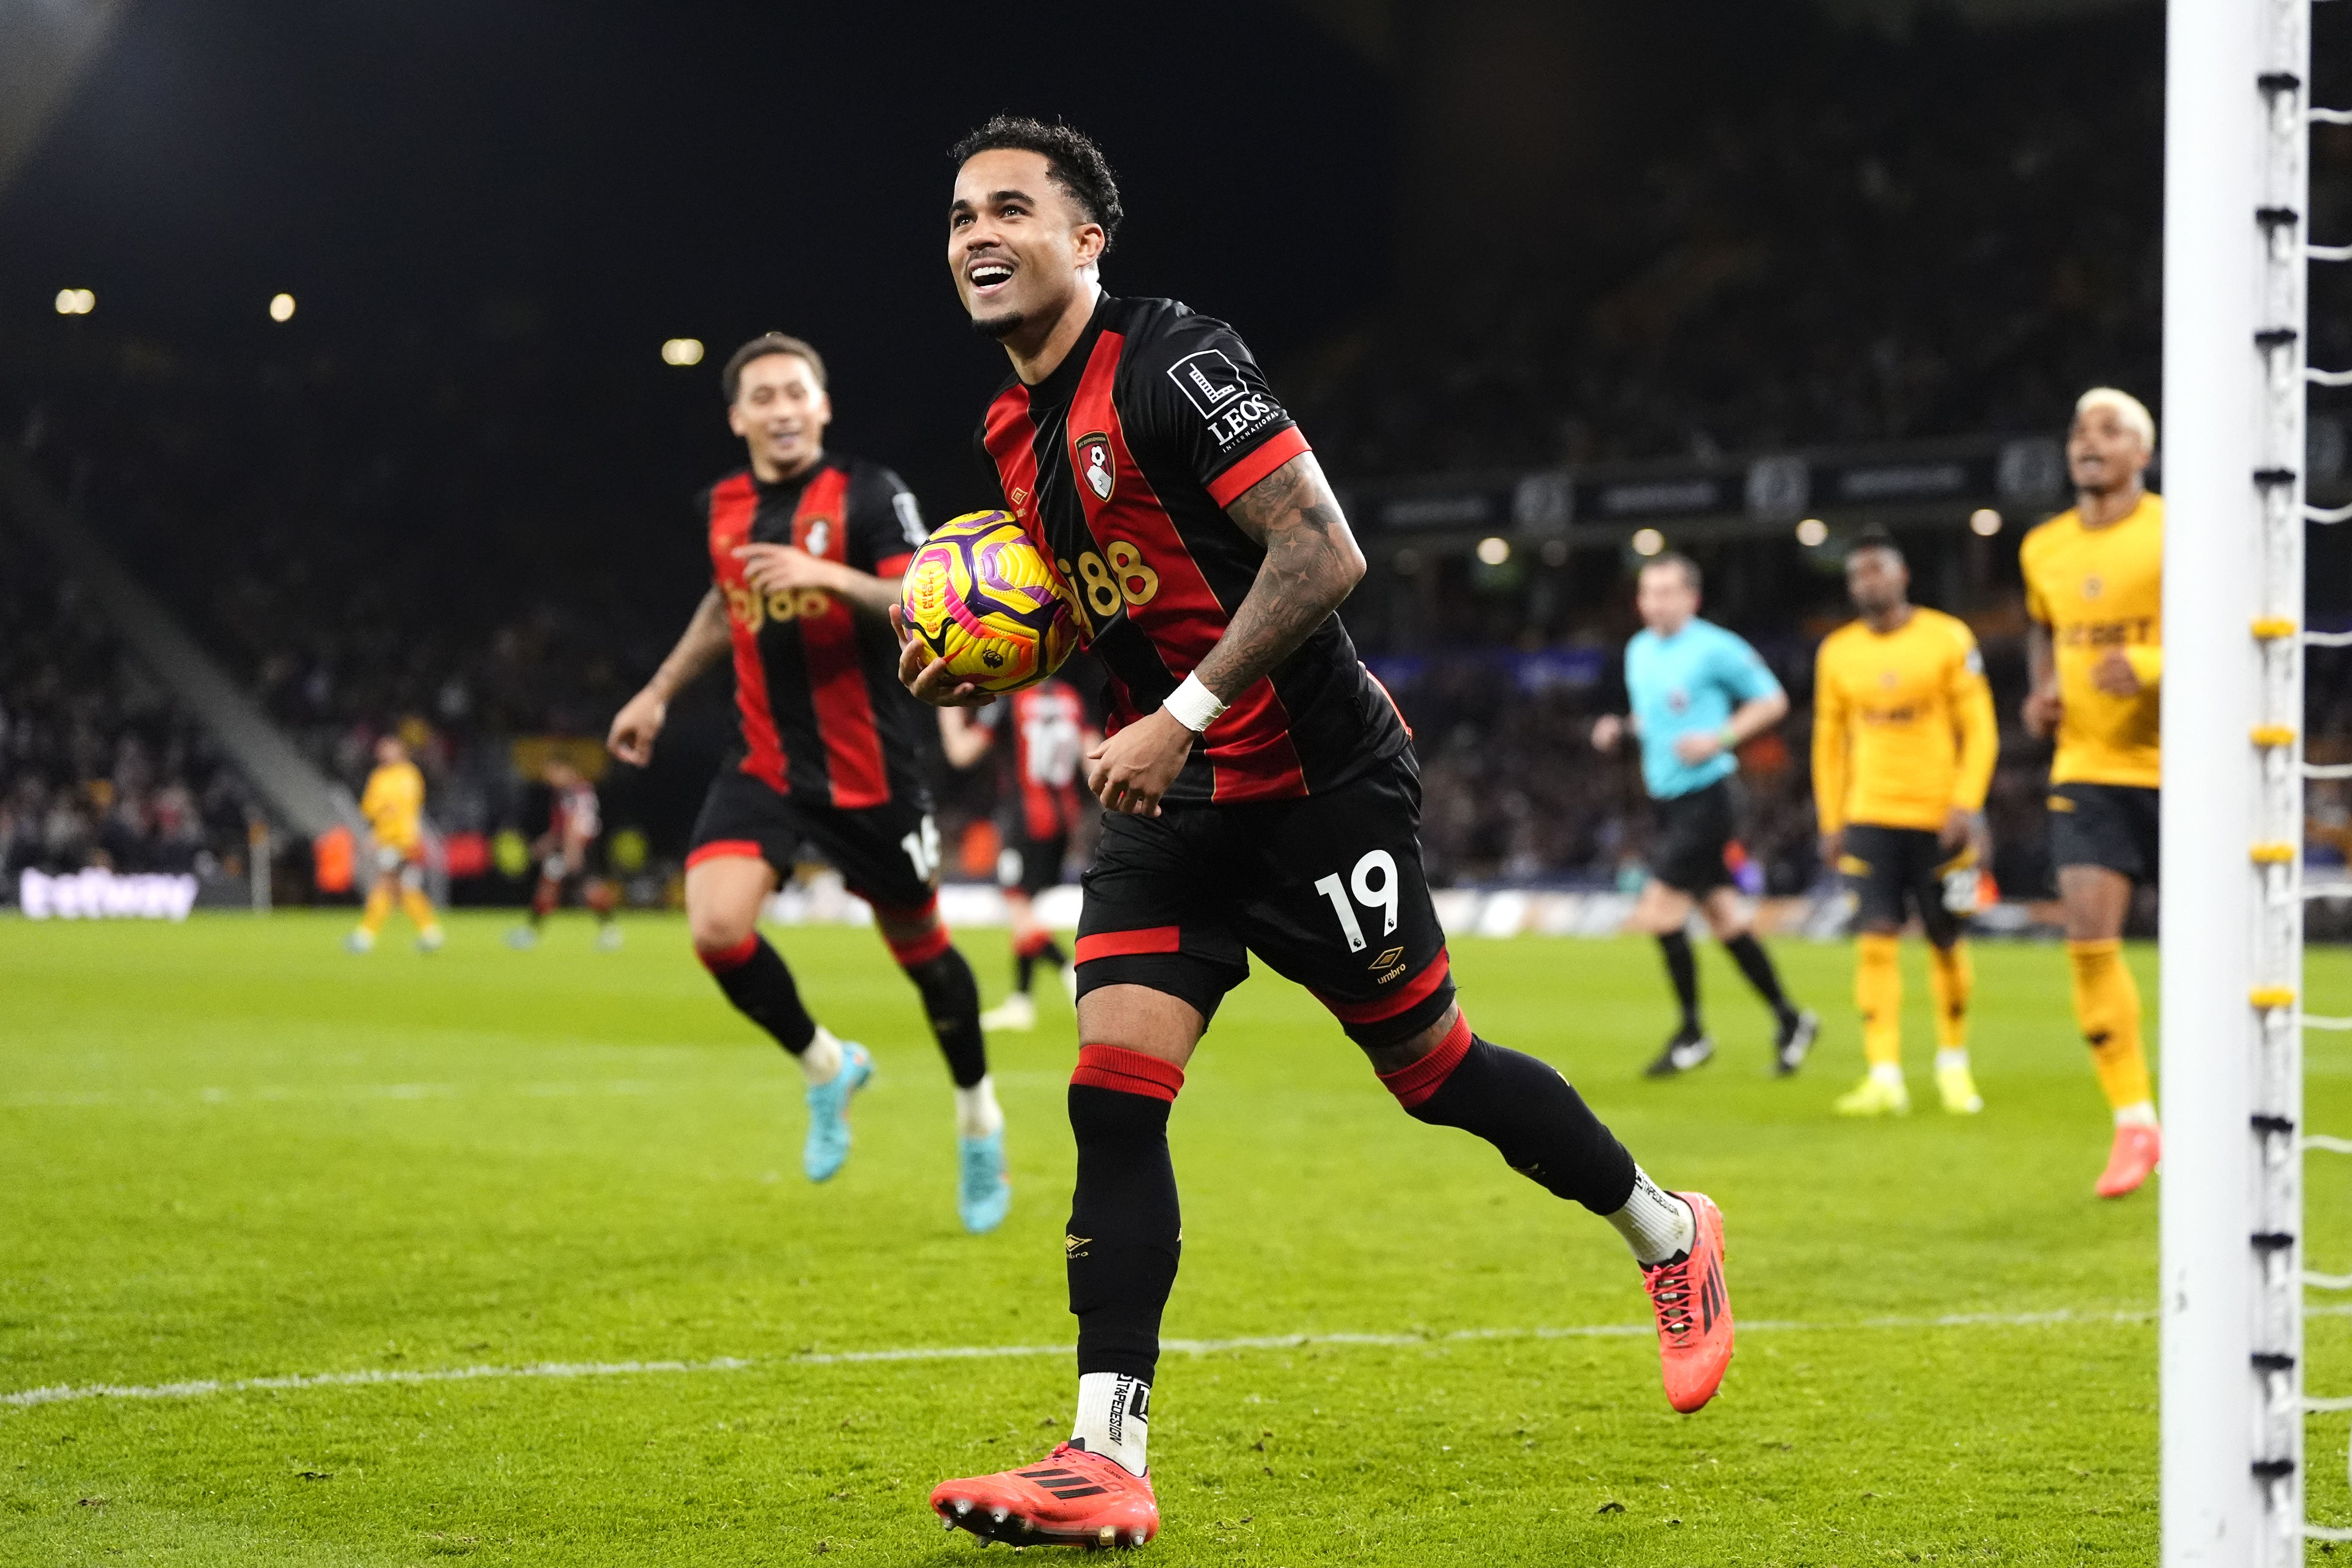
[1022, 249]
[2103, 453]
[781, 412]
[1877, 579]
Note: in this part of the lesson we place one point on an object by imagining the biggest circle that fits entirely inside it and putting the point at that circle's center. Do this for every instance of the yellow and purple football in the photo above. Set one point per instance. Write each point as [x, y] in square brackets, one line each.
[982, 597]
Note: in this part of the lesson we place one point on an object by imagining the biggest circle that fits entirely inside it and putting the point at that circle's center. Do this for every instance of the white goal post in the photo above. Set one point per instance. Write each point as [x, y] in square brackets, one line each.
[2236, 253]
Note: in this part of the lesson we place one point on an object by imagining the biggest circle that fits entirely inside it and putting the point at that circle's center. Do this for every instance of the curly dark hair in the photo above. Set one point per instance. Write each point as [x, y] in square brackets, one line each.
[1071, 161]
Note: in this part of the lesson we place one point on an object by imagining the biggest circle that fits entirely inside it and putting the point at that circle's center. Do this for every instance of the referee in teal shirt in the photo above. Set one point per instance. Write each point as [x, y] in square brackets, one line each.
[1698, 692]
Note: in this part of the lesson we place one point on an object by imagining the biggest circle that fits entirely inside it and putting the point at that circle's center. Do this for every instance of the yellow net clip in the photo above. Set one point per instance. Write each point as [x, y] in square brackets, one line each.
[2271, 628]
[2272, 853]
[2265, 997]
[2273, 735]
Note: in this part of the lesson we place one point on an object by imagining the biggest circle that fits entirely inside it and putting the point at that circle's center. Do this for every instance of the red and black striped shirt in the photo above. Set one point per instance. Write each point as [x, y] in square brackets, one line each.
[816, 684]
[1120, 465]
[1045, 726]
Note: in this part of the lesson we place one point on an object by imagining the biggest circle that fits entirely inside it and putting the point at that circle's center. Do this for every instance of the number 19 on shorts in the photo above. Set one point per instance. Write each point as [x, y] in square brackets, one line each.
[1380, 896]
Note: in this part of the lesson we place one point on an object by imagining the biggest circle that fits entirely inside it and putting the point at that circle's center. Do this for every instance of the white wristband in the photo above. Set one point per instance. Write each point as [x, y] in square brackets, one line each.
[1192, 705]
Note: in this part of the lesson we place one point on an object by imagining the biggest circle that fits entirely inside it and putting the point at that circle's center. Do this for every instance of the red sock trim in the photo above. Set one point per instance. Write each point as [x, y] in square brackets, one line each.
[722, 960]
[1413, 1085]
[922, 949]
[1128, 1072]
[1030, 946]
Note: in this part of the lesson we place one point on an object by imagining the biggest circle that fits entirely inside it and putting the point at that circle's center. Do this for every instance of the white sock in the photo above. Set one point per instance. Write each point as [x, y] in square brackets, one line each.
[1114, 1413]
[2141, 1114]
[1947, 1060]
[977, 1114]
[1888, 1073]
[1655, 1224]
[822, 1060]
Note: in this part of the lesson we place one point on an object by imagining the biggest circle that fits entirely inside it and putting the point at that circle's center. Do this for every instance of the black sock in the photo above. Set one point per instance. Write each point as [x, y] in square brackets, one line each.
[755, 979]
[1024, 969]
[1052, 953]
[1682, 968]
[951, 999]
[1756, 964]
[1527, 1110]
[1125, 1229]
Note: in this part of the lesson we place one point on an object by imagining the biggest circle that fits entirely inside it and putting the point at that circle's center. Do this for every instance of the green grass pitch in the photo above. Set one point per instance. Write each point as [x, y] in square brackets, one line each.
[228, 1151]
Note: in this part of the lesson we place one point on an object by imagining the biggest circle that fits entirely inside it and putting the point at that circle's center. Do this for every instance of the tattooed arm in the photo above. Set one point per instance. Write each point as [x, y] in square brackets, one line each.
[1311, 565]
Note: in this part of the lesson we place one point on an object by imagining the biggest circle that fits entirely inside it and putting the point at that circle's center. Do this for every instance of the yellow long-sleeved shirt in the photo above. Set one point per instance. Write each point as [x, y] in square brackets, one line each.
[1903, 724]
[2096, 589]
[393, 805]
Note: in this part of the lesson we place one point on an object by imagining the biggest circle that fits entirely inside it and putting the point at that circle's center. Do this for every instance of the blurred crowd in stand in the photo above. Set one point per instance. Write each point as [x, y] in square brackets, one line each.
[97, 768]
[1829, 234]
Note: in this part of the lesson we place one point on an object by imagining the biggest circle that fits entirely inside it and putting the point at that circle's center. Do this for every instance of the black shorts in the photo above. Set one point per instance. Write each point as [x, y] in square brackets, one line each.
[1890, 867]
[1329, 891]
[1031, 865]
[1694, 830]
[888, 855]
[2113, 825]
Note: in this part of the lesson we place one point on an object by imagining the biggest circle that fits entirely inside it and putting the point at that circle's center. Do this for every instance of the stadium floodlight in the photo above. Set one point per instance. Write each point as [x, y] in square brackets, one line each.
[281, 307]
[2232, 1280]
[682, 351]
[1813, 532]
[1648, 541]
[76, 302]
[1494, 550]
[1984, 522]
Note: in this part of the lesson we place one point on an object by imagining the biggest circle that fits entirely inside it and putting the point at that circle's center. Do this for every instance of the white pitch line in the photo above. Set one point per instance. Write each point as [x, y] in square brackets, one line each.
[202, 1387]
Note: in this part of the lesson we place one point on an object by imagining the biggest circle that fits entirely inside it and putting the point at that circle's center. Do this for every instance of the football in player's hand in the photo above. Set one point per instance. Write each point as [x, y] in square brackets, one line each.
[981, 596]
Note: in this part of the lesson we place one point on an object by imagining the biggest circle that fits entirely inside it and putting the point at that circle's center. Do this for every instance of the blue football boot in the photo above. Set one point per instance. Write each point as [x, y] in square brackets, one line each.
[983, 1193]
[828, 1135]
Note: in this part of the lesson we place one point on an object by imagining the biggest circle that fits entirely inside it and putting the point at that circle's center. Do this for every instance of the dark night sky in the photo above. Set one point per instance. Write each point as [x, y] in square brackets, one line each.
[517, 176]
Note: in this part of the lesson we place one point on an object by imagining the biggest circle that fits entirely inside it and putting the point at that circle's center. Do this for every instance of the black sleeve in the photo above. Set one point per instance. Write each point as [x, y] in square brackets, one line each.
[884, 524]
[1197, 401]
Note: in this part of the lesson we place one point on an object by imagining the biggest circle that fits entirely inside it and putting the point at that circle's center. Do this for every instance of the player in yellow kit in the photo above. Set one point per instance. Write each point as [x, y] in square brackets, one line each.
[1904, 743]
[2095, 591]
[393, 805]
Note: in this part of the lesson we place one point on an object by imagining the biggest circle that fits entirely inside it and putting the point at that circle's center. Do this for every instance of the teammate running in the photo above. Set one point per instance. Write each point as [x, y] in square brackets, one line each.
[806, 551]
[1262, 798]
[393, 805]
[2095, 592]
[1698, 694]
[1037, 809]
[1904, 743]
[574, 823]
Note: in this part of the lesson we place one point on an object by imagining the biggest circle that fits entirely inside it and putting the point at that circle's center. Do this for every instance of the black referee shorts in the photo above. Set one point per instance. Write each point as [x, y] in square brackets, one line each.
[887, 853]
[1329, 891]
[1889, 868]
[2113, 825]
[1694, 831]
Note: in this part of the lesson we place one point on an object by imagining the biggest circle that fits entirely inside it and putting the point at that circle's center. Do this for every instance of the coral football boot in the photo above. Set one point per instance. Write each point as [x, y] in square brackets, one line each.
[1694, 1311]
[1071, 1498]
[2135, 1155]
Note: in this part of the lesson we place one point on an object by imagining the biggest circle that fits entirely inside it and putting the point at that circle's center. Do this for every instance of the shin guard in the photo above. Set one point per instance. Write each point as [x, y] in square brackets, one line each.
[1125, 1231]
[1525, 1109]
[754, 978]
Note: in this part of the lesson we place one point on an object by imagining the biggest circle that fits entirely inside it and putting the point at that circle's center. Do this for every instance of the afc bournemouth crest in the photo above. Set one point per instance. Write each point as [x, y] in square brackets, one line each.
[1094, 463]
